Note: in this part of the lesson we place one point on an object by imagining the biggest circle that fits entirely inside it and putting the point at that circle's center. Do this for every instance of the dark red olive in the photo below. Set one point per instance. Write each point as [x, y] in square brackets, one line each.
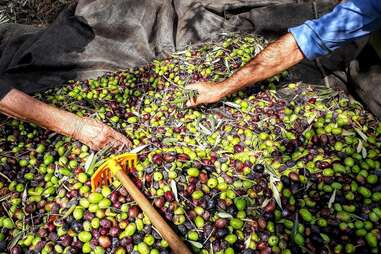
[103, 231]
[95, 233]
[42, 232]
[66, 240]
[323, 139]
[148, 178]
[157, 159]
[105, 223]
[169, 157]
[114, 196]
[262, 223]
[88, 216]
[203, 177]
[270, 206]
[294, 176]
[169, 196]
[221, 223]
[238, 148]
[133, 212]
[114, 231]
[262, 245]
[183, 157]
[51, 227]
[159, 202]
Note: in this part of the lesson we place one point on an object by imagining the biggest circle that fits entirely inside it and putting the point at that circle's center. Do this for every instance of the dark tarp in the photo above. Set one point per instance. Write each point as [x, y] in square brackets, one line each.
[108, 35]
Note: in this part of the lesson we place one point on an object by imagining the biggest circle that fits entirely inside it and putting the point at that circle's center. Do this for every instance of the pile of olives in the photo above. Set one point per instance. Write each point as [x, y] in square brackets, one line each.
[278, 168]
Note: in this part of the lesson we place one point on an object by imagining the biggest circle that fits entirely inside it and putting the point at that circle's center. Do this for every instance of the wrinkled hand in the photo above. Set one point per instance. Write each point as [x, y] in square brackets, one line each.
[208, 92]
[98, 135]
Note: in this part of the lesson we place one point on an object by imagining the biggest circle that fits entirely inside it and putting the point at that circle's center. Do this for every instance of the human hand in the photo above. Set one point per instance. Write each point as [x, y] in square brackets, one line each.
[97, 135]
[91, 132]
[208, 92]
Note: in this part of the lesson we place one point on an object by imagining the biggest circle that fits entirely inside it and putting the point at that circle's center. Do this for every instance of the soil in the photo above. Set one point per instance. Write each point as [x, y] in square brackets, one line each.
[31, 12]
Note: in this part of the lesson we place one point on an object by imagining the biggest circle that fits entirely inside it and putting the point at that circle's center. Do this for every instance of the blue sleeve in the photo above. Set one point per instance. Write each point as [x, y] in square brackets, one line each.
[348, 21]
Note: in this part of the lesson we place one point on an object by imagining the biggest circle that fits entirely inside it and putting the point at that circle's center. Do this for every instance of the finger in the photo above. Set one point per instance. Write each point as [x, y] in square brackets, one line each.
[123, 140]
[193, 102]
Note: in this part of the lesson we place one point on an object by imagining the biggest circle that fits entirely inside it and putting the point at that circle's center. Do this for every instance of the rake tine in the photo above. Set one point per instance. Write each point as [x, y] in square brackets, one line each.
[129, 163]
[109, 176]
[133, 163]
[124, 165]
[104, 176]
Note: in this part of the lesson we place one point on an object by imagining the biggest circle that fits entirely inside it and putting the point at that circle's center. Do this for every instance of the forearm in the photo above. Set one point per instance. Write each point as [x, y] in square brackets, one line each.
[275, 58]
[22, 106]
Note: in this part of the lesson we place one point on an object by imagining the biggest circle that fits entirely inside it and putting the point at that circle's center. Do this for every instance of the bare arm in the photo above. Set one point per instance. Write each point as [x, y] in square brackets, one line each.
[89, 131]
[276, 57]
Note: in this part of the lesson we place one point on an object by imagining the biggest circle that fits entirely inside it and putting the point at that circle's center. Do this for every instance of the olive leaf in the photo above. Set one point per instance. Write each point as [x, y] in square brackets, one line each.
[224, 215]
[232, 105]
[205, 130]
[15, 240]
[68, 212]
[139, 149]
[24, 195]
[169, 141]
[311, 119]
[247, 242]
[90, 161]
[347, 133]
[174, 190]
[265, 202]
[196, 244]
[364, 152]
[325, 237]
[217, 142]
[295, 226]
[275, 191]
[332, 199]
[5, 177]
[361, 134]
[359, 147]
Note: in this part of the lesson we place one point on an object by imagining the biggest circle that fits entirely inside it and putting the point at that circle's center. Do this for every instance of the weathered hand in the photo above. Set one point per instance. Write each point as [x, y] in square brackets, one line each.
[208, 92]
[97, 135]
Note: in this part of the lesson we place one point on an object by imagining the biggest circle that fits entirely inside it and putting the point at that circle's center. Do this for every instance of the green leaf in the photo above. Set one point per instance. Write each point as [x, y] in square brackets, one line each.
[90, 162]
[205, 130]
[196, 244]
[232, 105]
[138, 149]
[265, 202]
[174, 190]
[275, 191]
[361, 134]
[325, 237]
[224, 215]
[295, 227]
[332, 199]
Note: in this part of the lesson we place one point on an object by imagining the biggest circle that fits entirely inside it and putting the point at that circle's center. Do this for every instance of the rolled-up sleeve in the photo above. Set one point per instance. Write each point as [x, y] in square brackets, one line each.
[348, 21]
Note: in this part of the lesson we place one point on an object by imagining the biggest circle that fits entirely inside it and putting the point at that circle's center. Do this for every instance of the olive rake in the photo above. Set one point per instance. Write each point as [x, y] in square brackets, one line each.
[116, 167]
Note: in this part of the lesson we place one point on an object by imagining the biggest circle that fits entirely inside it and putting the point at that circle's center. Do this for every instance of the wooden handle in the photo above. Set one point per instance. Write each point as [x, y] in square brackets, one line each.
[174, 241]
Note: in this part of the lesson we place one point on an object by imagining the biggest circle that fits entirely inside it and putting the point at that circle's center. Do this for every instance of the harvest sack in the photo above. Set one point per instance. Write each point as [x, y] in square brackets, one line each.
[96, 36]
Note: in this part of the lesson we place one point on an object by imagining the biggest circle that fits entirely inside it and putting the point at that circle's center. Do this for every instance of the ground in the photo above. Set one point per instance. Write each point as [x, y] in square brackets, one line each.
[35, 12]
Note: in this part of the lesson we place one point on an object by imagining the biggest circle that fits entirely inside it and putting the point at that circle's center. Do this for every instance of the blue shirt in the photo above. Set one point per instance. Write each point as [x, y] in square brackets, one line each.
[348, 21]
